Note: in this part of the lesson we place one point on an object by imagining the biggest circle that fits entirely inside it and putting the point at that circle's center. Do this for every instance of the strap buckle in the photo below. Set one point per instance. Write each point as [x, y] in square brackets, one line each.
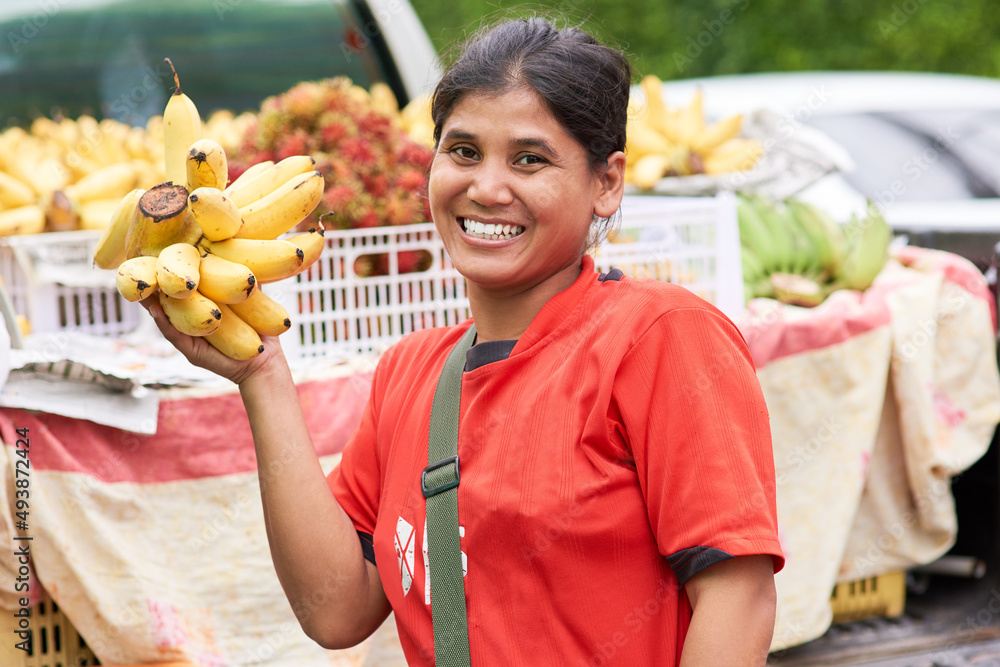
[450, 484]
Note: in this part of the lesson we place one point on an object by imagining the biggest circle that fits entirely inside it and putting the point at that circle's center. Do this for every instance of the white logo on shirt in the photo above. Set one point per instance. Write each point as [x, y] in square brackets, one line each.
[404, 552]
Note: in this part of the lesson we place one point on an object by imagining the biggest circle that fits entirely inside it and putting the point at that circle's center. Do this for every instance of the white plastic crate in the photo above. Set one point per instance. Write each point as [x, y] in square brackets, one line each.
[692, 241]
[51, 280]
[336, 312]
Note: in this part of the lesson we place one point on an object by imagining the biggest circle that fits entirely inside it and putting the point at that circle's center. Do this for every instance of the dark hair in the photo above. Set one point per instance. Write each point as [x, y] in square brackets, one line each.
[585, 84]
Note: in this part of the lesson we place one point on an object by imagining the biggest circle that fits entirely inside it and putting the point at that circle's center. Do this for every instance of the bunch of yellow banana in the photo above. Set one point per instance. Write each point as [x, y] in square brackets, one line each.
[206, 246]
[665, 141]
[795, 252]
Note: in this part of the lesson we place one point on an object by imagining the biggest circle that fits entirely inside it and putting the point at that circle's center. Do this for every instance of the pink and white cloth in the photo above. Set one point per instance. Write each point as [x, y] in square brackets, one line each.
[154, 546]
[877, 400]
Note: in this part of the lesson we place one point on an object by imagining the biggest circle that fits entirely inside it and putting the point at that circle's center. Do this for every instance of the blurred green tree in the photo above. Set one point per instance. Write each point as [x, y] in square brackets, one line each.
[691, 38]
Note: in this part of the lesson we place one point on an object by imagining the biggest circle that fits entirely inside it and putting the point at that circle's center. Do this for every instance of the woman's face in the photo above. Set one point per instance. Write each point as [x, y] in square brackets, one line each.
[512, 193]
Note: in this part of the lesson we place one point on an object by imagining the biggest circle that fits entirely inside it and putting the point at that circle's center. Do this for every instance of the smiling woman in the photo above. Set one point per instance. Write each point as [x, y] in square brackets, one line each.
[590, 471]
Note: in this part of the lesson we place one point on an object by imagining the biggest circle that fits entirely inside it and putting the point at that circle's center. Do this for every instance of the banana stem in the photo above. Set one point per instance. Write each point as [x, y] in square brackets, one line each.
[177, 80]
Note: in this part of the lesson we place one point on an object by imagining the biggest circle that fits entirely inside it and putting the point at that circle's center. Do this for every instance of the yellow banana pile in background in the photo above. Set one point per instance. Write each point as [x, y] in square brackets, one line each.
[676, 141]
[65, 174]
[205, 247]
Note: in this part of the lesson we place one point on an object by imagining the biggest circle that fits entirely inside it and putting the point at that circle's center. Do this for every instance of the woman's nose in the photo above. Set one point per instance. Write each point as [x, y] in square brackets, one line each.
[490, 185]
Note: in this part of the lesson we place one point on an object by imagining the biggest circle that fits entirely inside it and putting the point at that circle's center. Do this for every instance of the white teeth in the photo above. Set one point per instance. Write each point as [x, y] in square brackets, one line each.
[494, 232]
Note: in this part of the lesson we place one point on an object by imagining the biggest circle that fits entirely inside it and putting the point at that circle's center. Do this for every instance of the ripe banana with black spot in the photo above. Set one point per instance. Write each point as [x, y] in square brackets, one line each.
[207, 165]
[264, 314]
[275, 214]
[197, 315]
[215, 213]
[110, 250]
[312, 243]
[136, 278]
[246, 191]
[235, 338]
[223, 281]
[181, 128]
[177, 270]
[269, 260]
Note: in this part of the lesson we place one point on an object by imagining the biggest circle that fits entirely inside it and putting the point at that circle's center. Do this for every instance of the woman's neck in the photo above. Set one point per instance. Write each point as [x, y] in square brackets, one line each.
[505, 316]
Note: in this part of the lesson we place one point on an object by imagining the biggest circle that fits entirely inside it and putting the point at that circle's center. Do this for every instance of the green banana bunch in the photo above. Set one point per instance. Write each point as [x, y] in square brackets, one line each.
[779, 238]
[825, 235]
[804, 253]
[755, 234]
[868, 241]
[755, 276]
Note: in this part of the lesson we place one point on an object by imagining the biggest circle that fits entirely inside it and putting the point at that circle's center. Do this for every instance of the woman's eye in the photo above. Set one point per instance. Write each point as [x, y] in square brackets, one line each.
[464, 152]
[530, 160]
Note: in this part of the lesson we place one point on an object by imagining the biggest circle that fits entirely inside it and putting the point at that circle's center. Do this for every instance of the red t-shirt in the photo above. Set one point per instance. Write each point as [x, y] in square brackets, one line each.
[622, 446]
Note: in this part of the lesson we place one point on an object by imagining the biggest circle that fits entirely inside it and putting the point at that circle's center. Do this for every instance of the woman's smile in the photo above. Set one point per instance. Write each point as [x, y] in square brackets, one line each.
[495, 231]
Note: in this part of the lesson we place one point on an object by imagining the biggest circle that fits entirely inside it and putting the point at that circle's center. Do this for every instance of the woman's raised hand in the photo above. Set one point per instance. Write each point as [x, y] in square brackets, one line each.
[202, 354]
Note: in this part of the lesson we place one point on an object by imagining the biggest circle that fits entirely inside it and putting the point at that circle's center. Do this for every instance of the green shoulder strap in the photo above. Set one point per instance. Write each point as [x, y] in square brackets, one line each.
[439, 483]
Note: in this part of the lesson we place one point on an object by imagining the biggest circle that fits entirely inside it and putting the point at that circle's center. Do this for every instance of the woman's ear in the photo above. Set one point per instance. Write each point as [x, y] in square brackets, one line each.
[612, 180]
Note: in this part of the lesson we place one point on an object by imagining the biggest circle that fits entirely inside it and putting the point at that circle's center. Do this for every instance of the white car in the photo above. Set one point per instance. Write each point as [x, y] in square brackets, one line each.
[925, 147]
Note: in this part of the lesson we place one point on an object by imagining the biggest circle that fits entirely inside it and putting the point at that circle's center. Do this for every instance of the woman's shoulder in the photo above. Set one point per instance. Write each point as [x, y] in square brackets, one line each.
[658, 297]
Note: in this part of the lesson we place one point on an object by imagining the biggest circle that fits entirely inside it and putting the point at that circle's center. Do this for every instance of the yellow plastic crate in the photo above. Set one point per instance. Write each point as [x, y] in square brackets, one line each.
[55, 642]
[884, 595]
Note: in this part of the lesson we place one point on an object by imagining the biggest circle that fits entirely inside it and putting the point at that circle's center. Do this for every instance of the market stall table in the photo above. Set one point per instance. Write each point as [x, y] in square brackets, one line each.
[154, 545]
